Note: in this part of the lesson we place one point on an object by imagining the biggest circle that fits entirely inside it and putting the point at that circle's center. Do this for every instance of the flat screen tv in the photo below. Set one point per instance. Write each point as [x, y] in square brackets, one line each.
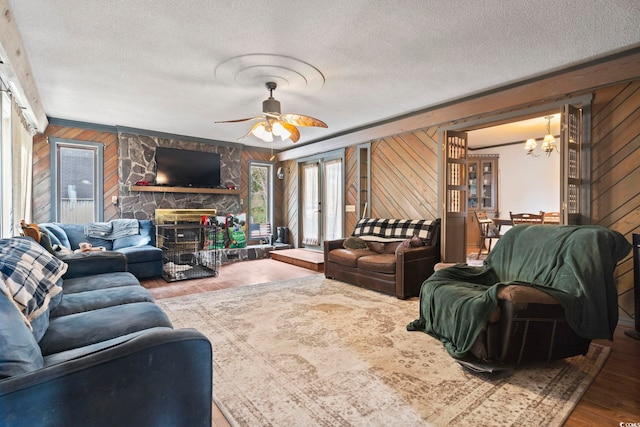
[187, 168]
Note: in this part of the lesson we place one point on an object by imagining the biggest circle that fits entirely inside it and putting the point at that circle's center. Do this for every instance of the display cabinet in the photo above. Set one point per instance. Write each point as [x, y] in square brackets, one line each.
[482, 174]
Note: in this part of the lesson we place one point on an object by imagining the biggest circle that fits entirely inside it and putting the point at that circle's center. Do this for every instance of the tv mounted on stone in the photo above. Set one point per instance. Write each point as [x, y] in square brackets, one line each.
[187, 168]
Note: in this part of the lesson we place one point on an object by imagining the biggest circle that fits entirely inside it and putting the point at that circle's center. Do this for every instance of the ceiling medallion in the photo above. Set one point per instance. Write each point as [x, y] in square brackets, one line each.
[257, 68]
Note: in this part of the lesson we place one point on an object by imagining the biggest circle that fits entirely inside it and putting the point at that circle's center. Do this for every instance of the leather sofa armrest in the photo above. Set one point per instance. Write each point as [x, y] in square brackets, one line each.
[414, 266]
[411, 254]
[88, 263]
[158, 378]
[330, 245]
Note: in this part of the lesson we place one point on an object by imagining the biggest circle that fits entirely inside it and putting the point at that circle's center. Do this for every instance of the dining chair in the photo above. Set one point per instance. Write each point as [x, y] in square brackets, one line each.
[488, 231]
[527, 218]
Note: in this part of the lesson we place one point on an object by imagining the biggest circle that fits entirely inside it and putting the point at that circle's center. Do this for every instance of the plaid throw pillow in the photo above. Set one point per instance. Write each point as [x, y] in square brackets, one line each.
[28, 275]
[393, 228]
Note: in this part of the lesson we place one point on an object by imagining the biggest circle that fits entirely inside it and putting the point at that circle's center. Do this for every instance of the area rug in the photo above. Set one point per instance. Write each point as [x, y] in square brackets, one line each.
[318, 352]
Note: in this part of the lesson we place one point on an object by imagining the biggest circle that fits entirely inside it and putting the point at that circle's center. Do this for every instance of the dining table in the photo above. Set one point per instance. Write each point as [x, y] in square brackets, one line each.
[499, 222]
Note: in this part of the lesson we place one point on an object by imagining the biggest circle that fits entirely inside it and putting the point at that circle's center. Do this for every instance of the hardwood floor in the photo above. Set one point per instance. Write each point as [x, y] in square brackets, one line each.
[613, 398]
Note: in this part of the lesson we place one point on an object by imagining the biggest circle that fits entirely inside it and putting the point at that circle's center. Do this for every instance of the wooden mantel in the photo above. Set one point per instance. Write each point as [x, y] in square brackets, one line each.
[162, 189]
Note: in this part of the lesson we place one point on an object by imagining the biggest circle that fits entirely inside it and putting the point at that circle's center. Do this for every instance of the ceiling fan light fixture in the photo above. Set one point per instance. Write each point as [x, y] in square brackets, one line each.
[275, 123]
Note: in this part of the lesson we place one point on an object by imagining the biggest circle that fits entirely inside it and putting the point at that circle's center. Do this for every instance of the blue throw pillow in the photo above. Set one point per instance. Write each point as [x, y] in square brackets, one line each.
[19, 351]
[57, 234]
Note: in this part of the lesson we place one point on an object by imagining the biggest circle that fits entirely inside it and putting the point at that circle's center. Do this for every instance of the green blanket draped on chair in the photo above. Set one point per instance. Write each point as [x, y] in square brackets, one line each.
[574, 264]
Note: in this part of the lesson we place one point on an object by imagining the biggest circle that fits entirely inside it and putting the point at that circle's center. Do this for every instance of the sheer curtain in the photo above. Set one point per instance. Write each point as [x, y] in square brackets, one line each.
[22, 166]
[332, 208]
[310, 230]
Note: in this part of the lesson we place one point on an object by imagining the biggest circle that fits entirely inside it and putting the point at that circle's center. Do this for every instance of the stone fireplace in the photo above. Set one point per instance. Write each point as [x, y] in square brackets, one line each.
[136, 154]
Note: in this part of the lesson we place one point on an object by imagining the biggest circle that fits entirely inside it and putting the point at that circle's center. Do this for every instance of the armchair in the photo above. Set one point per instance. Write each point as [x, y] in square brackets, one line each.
[543, 293]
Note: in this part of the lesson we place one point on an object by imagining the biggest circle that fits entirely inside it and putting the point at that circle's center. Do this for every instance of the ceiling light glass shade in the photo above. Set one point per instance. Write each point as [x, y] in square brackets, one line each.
[279, 130]
[267, 137]
[259, 130]
[530, 144]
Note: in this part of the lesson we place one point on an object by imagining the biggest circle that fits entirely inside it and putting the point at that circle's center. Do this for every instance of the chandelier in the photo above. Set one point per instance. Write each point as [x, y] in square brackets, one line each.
[548, 143]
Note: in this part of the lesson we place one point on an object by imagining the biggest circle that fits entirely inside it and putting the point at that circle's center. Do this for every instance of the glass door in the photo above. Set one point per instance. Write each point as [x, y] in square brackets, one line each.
[310, 204]
[322, 201]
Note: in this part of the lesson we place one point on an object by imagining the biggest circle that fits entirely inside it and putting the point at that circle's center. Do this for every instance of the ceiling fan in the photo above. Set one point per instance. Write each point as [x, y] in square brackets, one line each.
[273, 123]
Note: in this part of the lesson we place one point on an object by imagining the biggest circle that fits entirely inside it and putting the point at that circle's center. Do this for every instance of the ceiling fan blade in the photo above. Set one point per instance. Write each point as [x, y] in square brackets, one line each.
[300, 120]
[295, 133]
[265, 124]
[241, 120]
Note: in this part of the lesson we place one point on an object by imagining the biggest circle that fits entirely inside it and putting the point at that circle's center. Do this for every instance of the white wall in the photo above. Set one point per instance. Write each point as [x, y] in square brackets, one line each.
[525, 183]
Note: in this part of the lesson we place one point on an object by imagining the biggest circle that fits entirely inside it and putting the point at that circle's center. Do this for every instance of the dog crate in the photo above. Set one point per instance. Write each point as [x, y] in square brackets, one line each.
[189, 251]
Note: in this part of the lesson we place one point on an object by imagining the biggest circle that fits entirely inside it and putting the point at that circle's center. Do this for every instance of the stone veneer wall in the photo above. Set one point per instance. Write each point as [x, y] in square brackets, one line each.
[136, 162]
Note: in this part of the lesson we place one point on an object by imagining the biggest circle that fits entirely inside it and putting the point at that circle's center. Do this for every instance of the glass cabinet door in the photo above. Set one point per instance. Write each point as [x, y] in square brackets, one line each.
[487, 185]
[473, 184]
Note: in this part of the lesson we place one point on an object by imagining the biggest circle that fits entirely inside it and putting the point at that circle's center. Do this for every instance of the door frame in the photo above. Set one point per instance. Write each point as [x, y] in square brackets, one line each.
[320, 159]
[583, 102]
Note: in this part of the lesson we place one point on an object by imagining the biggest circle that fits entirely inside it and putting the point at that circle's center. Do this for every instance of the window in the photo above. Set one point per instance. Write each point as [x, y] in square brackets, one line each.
[76, 185]
[260, 200]
[6, 202]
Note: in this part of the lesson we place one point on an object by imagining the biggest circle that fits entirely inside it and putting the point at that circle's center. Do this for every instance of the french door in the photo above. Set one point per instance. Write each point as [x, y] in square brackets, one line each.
[321, 200]
[454, 152]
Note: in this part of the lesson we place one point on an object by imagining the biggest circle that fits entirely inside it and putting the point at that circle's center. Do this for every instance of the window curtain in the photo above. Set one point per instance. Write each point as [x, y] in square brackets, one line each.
[332, 208]
[310, 224]
[22, 166]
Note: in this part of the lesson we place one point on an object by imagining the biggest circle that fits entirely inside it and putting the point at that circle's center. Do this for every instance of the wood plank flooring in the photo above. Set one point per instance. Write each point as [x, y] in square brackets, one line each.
[613, 397]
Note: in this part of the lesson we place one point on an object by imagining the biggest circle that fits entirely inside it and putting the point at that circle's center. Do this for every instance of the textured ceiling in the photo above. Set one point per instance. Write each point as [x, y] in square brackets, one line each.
[177, 67]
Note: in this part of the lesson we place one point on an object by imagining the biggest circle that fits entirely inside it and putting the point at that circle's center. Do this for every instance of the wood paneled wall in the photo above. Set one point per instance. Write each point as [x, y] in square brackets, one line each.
[351, 188]
[42, 168]
[404, 176]
[615, 173]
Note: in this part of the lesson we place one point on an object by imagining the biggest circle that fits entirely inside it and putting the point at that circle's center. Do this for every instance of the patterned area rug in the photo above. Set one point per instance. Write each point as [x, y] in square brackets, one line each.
[318, 352]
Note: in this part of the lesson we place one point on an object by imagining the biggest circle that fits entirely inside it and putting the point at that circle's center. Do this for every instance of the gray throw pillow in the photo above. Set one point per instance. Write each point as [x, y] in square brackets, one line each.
[354, 243]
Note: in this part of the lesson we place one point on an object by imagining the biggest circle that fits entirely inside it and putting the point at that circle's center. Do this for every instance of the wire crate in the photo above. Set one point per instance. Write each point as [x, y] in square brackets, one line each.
[188, 251]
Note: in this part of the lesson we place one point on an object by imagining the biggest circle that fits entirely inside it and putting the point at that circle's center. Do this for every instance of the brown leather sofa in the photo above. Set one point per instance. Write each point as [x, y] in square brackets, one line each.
[388, 264]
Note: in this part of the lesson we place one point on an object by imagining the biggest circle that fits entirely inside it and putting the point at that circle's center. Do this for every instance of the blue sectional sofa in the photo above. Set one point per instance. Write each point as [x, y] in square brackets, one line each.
[92, 349]
[144, 260]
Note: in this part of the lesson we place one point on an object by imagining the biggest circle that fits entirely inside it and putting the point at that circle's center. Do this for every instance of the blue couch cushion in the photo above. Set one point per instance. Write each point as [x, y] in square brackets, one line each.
[40, 323]
[56, 233]
[93, 348]
[19, 351]
[82, 329]
[99, 281]
[75, 234]
[146, 232]
[100, 298]
[141, 253]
